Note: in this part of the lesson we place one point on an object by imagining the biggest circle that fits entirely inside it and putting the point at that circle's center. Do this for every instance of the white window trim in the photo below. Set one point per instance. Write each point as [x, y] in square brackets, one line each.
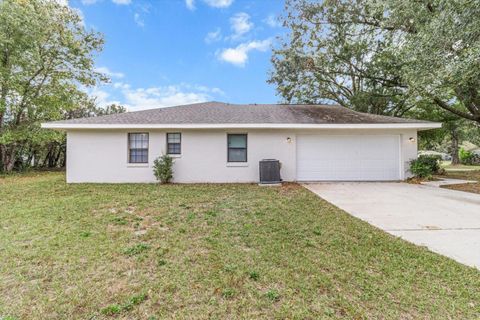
[237, 164]
[138, 164]
[174, 155]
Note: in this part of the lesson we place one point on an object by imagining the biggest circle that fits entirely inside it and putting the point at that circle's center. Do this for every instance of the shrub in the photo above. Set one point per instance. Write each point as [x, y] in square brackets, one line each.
[425, 166]
[466, 157]
[163, 168]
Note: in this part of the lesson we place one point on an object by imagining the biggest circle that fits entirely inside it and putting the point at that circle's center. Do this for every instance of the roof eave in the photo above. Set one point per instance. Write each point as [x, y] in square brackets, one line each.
[411, 125]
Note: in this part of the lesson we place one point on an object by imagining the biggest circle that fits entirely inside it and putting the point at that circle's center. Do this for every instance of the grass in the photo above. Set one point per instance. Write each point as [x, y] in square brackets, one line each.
[210, 252]
[447, 165]
[466, 175]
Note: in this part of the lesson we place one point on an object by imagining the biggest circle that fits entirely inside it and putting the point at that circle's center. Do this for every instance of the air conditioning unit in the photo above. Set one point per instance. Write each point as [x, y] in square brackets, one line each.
[269, 171]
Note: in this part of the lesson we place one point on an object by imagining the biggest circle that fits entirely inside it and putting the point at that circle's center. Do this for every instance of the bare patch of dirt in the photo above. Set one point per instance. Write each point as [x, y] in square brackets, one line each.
[466, 187]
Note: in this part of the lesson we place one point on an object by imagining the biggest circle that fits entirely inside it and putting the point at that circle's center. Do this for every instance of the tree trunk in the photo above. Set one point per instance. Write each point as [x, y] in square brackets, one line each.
[8, 157]
[454, 148]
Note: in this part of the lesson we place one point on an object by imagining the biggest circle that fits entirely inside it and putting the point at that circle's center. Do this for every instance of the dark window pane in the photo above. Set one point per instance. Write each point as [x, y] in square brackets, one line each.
[174, 148]
[174, 143]
[138, 147]
[173, 137]
[237, 141]
[138, 155]
[237, 148]
[237, 155]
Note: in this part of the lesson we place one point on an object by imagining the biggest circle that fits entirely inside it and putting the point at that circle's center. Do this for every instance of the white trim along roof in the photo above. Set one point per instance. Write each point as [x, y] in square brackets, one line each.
[418, 126]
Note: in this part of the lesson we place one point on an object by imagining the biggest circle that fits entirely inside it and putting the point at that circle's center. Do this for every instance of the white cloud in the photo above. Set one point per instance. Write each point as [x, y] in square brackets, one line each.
[121, 85]
[153, 97]
[212, 3]
[102, 97]
[138, 20]
[272, 21]
[239, 55]
[190, 4]
[240, 24]
[214, 36]
[88, 2]
[109, 73]
[159, 97]
[122, 1]
[218, 3]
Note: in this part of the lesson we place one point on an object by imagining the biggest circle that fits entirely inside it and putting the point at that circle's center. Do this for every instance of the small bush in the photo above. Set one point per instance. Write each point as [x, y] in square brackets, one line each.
[163, 168]
[425, 166]
[468, 157]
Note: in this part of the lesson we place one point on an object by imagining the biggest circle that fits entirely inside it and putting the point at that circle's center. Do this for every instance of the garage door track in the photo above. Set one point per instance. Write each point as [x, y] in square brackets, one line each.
[446, 221]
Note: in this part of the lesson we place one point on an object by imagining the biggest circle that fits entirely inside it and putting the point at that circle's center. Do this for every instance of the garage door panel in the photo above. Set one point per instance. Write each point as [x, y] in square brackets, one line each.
[348, 157]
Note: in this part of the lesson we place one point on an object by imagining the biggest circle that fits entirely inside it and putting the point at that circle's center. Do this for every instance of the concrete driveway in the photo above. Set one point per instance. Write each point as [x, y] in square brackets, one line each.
[446, 221]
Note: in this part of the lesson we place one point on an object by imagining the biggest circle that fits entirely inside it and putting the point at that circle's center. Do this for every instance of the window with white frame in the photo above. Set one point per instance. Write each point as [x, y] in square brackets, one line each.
[174, 143]
[237, 147]
[138, 147]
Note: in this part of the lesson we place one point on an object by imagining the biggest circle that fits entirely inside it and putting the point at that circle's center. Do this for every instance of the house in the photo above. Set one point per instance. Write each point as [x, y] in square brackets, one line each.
[221, 142]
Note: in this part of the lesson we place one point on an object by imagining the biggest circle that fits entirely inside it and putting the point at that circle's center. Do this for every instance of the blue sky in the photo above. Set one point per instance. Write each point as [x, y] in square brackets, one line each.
[169, 52]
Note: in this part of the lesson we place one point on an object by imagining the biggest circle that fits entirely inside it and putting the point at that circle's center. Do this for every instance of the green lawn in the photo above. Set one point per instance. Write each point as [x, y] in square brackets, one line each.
[447, 165]
[210, 252]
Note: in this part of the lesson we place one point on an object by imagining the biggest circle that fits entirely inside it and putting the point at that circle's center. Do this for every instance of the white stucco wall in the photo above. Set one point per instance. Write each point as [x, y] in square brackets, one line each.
[102, 155]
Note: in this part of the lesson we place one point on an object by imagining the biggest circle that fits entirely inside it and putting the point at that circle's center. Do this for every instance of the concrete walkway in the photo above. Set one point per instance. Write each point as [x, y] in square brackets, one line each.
[446, 182]
[446, 221]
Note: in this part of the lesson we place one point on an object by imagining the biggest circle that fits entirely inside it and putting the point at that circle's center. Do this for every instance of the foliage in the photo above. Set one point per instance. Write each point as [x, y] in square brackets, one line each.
[425, 166]
[46, 56]
[163, 168]
[468, 157]
[385, 57]
[256, 229]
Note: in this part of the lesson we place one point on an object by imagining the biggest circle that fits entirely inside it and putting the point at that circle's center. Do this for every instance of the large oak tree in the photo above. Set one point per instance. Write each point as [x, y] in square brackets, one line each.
[46, 57]
[382, 56]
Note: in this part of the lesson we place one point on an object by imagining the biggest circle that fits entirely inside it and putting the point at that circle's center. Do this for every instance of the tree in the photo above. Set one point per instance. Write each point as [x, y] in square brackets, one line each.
[455, 130]
[46, 55]
[382, 56]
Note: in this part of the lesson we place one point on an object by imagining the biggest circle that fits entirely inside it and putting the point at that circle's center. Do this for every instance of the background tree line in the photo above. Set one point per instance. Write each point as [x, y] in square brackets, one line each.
[46, 64]
[406, 58]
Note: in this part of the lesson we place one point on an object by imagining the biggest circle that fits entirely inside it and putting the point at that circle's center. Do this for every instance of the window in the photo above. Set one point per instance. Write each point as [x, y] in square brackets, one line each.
[174, 143]
[138, 147]
[237, 148]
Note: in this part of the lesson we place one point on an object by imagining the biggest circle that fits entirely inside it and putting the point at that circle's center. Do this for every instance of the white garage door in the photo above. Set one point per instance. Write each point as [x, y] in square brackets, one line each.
[348, 157]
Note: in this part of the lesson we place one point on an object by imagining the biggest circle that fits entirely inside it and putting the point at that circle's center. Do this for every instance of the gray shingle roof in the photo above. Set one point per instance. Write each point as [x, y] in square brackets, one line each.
[226, 113]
